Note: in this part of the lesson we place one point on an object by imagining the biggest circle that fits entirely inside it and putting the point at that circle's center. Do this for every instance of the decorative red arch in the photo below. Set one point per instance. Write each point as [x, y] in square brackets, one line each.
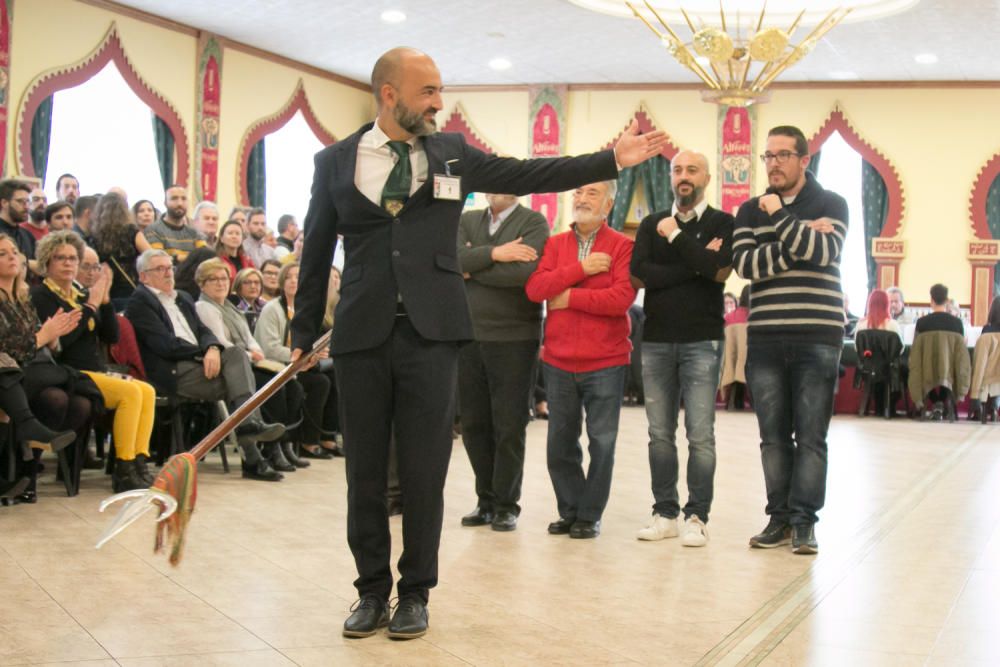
[977, 202]
[458, 122]
[265, 126]
[110, 50]
[837, 122]
[646, 125]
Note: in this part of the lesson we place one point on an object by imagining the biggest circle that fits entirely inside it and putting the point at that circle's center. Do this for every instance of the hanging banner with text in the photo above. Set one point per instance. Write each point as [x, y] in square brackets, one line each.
[735, 157]
[548, 139]
[209, 97]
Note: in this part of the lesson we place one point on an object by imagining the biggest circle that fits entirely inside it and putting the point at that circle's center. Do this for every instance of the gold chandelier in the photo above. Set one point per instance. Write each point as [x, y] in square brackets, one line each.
[738, 67]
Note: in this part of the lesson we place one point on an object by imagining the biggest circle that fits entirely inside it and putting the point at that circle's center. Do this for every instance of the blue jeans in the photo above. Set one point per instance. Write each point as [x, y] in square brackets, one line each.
[671, 372]
[599, 393]
[792, 385]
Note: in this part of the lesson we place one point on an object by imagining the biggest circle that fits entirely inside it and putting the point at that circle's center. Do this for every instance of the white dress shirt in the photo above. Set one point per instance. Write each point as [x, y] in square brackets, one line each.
[693, 214]
[376, 160]
[497, 220]
[181, 327]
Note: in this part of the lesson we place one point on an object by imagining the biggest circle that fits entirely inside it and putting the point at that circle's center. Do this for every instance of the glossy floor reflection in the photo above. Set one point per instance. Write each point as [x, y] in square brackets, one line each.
[908, 571]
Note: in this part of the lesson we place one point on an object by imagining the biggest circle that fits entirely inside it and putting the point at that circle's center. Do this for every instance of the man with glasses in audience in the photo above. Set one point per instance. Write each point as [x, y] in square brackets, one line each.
[68, 188]
[14, 198]
[173, 232]
[787, 243]
[36, 224]
[181, 355]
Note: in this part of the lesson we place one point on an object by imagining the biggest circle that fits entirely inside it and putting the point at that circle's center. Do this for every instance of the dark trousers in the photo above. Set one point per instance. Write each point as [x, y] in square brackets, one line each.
[407, 385]
[494, 383]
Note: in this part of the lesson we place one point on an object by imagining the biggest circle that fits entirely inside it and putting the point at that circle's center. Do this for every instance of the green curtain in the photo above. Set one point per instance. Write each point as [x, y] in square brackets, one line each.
[164, 139]
[655, 174]
[813, 167]
[627, 178]
[257, 176]
[41, 132]
[875, 204]
[993, 222]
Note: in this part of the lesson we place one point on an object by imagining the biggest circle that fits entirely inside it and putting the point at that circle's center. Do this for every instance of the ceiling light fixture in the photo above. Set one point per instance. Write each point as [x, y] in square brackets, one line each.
[393, 16]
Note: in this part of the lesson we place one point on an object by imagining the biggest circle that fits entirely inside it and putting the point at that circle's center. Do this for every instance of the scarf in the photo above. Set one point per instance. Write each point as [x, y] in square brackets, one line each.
[236, 324]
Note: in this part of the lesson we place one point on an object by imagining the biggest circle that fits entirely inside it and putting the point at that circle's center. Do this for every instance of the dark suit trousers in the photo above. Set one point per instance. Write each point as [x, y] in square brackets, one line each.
[406, 384]
[494, 385]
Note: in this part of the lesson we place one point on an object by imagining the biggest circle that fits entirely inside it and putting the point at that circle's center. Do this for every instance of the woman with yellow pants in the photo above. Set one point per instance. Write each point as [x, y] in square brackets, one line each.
[62, 258]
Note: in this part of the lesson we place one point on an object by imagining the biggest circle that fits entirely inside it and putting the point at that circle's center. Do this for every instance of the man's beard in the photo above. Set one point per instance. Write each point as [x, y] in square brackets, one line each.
[37, 216]
[177, 213]
[685, 201]
[18, 216]
[258, 236]
[583, 216]
[413, 122]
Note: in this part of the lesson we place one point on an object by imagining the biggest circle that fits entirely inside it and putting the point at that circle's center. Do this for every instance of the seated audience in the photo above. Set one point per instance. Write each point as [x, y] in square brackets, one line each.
[133, 401]
[118, 242]
[14, 197]
[229, 248]
[181, 355]
[173, 232]
[321, 419]
[206, 221]
[46, 401]
[144, 214]
[270, 271]
[229, 326]
[59, 215]
[939, 319]
[184, 277]
[246, 295]
[877, 315]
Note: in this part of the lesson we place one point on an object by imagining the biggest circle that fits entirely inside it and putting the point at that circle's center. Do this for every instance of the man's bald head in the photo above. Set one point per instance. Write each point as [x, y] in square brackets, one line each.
[388, 69]
[689, 176]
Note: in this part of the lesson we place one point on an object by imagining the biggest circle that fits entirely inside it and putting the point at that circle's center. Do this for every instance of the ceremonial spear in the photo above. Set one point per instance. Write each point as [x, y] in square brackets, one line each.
[174, 491]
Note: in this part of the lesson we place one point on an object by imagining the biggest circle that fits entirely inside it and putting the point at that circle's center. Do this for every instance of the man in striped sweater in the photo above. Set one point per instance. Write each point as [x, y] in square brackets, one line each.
[787, 242]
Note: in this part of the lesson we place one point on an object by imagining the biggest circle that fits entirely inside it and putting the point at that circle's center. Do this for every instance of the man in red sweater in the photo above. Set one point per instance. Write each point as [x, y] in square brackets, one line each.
[583, 277]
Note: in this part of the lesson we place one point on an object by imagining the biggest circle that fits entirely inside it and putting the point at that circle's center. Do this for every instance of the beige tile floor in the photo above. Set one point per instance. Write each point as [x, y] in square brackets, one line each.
[908, 574]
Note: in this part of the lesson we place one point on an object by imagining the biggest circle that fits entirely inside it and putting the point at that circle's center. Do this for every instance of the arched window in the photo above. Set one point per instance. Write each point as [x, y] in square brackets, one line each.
[839, 170]
[102, 133]
[289, 168]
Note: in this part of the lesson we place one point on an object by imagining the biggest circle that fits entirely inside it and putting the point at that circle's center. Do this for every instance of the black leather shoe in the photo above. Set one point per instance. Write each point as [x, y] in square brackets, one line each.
[504, 522]
[585, 530]
[477, 517]
[410, 619]
[126, 477]
[260, 431]
[367, 615]
[262, 471]
[775, 534]
[288, 449]
[560, 527]
[804, 539]
[142, 469]
[315, 452]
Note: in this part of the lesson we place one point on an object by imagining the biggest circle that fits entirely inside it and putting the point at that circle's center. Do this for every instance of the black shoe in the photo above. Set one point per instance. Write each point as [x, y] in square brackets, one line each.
[126, 477]
[33, 430]
[478, 517]
[504, 522]
[775, 534]
[142, 469]
[585, 530]
[315, 452]
[804, 539]
[367, 615]
[276, 457]
[560, 527]
[410, 619]
[262, 471]
[262, 432]
[289, 451]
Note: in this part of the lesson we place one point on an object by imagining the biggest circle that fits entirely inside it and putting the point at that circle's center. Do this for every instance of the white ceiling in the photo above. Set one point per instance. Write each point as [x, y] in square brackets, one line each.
[555, 41]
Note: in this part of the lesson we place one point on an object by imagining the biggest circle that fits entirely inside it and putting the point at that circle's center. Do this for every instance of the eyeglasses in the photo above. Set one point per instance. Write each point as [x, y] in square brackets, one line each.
[217, 279]
[781, 157]
[23, 201]
[90, 268]
[271, 274]
[251, 283]
[72, 259]
[162, 270]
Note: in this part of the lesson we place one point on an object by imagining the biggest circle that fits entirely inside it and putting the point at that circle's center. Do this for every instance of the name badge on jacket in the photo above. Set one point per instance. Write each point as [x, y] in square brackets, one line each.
[447, 187]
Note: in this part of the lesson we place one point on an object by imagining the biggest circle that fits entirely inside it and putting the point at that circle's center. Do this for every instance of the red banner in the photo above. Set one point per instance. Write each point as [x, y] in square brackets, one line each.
[209, 98]
[735, 157]
[547, 140]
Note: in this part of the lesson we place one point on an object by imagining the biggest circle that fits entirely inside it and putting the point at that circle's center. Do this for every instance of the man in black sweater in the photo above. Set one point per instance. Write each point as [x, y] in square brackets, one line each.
[787, 243]
[498, 249]
[939, 319]
[682, 257]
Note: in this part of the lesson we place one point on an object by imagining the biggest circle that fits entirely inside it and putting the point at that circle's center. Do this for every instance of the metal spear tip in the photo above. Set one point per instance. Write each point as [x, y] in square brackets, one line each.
[136, 503]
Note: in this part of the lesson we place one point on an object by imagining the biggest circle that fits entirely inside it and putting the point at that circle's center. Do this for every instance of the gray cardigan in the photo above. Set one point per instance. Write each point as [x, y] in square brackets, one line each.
[270, 332]
[500, 309]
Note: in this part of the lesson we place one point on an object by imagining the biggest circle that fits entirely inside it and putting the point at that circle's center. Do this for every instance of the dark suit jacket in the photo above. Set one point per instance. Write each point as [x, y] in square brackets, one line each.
[414, 254]
[161, 349]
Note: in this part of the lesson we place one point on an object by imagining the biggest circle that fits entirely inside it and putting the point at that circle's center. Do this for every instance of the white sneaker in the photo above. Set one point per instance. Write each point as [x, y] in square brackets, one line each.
[695, 532]
[659, 527]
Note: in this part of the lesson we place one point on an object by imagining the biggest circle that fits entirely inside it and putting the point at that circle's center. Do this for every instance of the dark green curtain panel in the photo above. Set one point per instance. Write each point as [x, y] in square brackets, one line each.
[164, 139]
[41, 132]
[655, 174]
[875, 203]
[257, 176]
[813, 167]
[627, 178]
[993, 222]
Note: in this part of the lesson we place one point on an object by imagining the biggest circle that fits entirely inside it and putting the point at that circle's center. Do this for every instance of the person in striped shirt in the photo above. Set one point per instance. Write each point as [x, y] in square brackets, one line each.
[787, 242]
